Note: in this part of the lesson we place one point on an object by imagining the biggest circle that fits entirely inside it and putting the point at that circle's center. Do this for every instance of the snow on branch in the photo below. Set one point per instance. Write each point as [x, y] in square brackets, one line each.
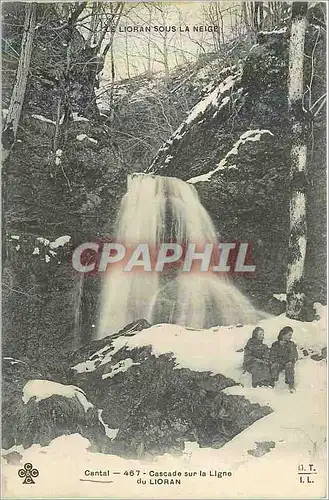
[43, 119]
[249, 136]
[277, 31]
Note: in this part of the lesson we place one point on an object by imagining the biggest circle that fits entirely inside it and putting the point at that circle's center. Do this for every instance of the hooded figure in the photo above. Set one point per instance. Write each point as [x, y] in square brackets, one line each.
[283, 356]
[256, 359]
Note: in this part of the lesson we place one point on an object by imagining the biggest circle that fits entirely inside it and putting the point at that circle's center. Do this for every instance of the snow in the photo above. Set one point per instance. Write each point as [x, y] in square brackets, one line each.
[282, 297]
[120, 367]
[77, 118]
[111, 433]
[81, 137]
[228, 68]
[295, 269]
[199, 178]
[212, 99]
[60, 242]
[14, 361]
[58, 154]
[43, 389]
[249, 136]
[224, 101]
[169, 157]
[279, 31]
[43, 119]
[219, 344]
[297, 427]
[43, 240]
[320, 310]
[296, 59]
[100, 357]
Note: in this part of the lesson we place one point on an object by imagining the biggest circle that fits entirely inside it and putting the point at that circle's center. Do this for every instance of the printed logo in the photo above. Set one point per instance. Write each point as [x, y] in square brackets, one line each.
[28, 473]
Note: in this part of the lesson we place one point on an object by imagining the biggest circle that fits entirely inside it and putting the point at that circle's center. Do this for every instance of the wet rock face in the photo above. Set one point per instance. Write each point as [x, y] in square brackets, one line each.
[155, 406]
[249, 201]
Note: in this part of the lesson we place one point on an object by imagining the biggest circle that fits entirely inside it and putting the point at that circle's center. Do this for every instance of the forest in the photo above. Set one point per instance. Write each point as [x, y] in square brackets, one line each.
[238, 111]
[84, 106]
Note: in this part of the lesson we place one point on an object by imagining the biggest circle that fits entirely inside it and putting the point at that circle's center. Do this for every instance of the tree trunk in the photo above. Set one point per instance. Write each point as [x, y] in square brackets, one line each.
[258, 14]
[298, 228]
[17, 97]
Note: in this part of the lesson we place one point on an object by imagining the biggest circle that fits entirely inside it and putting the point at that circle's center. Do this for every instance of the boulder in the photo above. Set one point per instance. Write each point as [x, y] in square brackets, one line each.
[154, 405]
[37, 410]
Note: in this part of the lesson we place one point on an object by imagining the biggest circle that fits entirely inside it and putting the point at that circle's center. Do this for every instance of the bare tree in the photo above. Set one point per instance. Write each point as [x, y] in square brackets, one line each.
[298, 228]
[214, 15]
[18, 94]
[97, 24]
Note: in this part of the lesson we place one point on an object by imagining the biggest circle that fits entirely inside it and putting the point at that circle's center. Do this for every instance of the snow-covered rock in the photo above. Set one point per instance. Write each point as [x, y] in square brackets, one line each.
[177, 401]
[263, 460]
[213, 102]
[249, 136]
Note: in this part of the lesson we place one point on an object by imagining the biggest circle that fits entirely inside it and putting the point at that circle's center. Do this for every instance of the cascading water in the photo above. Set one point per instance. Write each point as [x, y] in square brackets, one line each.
[155, 210]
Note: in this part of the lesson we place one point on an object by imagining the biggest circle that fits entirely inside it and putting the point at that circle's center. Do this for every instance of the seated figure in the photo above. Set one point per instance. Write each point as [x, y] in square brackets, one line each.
[283, 356]
[256, 359]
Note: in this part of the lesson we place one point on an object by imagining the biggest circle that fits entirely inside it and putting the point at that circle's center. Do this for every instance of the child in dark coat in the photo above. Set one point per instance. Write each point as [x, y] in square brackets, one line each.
[283, 356]
[256, 359]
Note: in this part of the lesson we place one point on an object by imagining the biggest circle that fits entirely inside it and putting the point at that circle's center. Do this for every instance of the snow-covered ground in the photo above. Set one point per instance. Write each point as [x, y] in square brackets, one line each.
[295, 432]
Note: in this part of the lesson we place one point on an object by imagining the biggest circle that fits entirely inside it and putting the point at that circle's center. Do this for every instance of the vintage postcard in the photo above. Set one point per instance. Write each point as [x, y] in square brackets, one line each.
[164, 305]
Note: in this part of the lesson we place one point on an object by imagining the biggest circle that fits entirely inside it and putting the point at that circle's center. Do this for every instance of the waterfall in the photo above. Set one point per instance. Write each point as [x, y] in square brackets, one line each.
[159, 209]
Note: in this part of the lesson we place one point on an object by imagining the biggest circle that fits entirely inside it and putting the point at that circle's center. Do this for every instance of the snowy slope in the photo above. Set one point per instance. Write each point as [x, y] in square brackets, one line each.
[293, 435]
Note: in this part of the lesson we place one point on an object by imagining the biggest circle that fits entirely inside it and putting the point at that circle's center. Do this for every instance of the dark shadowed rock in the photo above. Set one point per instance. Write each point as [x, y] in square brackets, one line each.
[36, 410]
[262, 447]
